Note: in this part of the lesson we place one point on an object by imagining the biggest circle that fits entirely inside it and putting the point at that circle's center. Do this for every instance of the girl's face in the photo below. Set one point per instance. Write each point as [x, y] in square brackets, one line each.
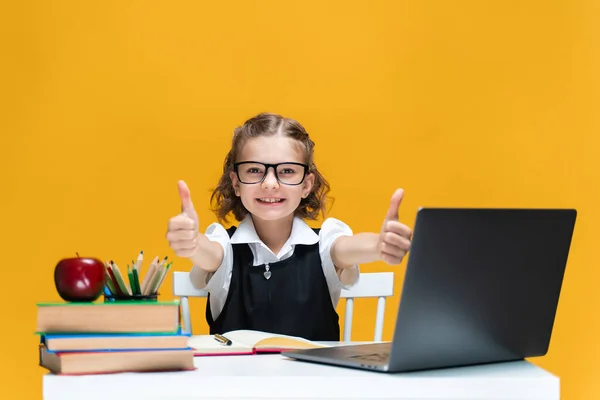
[270, 199]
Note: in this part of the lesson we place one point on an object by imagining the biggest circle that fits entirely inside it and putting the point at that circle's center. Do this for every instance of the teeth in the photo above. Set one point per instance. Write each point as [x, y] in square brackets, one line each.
[270, 200]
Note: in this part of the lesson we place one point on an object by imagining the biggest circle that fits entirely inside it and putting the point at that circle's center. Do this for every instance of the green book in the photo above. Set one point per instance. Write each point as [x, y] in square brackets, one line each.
[108, 317]
[109, 303]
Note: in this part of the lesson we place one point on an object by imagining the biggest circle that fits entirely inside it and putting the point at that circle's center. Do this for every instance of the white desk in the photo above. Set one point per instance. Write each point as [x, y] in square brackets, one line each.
[276, 377]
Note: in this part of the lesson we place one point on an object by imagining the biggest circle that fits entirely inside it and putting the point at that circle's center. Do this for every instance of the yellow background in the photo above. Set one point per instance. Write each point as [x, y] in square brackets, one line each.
[105, 105]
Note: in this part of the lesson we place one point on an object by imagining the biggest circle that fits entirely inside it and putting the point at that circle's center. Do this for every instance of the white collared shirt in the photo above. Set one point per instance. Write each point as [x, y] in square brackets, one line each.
[217, 283]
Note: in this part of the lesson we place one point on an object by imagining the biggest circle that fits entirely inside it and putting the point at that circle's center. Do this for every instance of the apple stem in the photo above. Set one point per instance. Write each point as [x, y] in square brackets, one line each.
[77, 254]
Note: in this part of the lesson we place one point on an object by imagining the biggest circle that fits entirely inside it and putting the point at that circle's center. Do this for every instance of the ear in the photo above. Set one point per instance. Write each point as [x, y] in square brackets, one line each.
[309, 183]
[235, 183]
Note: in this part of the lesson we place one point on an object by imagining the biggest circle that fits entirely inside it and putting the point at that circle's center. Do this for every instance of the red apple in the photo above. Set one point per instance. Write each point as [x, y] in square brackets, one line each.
[80, 278]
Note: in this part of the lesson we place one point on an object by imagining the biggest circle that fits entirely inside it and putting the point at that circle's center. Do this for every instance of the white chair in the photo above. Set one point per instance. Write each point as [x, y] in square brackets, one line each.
[374, 284]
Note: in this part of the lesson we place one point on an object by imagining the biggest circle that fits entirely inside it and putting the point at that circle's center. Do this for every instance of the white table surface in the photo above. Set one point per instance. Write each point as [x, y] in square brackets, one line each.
[272, 376]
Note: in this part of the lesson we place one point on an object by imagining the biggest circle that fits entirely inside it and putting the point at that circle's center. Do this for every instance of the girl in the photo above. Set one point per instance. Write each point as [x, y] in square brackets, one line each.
[273, 272]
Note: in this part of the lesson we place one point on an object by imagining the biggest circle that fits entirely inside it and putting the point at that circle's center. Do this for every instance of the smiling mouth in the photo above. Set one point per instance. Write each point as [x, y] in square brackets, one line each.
[271, 200]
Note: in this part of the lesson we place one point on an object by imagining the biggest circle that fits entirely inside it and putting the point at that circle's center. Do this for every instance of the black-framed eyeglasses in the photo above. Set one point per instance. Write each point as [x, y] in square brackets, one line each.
[288, 173]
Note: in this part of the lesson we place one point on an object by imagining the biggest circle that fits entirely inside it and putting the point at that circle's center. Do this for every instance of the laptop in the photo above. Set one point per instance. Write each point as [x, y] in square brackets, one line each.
[481, 286]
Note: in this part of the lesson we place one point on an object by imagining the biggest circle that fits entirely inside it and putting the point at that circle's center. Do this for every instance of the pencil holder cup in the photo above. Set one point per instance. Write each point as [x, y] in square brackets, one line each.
[135, 297]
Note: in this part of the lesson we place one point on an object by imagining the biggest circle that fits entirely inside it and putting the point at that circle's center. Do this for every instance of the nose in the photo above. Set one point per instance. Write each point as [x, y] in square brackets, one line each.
[270, 181]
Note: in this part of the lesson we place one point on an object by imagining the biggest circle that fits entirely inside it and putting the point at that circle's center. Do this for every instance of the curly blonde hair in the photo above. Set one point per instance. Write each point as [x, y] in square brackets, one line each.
[266, 124]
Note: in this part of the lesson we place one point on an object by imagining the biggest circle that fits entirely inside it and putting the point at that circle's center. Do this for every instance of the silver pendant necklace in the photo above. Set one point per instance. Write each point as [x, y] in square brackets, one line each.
[267, 273]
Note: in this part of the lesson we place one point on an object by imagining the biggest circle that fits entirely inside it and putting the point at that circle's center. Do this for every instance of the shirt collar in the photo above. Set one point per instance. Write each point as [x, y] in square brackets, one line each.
[301, 233]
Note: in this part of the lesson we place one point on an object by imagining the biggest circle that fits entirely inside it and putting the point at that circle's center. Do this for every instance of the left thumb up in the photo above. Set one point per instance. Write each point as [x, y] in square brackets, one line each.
[392, 213]
[394, 241]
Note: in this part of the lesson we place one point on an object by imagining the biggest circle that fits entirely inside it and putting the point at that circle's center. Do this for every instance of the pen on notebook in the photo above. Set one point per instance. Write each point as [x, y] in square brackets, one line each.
[222, 339]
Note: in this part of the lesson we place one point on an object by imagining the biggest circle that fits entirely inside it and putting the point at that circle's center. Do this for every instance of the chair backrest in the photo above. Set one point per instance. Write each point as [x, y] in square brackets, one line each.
[183, 287]
[374, 284]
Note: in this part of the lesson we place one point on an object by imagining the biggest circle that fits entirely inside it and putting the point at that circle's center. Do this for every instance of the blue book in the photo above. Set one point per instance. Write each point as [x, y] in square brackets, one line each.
[133, 341]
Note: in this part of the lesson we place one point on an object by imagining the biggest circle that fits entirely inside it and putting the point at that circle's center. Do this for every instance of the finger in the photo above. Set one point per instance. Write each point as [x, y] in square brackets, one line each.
[181, 235]
[182, 222]
[397, 227]
[392, 250]
[396, 240]
[184, 245]
[391, 260]
[395, 202]
[185, 253]
[186, 200]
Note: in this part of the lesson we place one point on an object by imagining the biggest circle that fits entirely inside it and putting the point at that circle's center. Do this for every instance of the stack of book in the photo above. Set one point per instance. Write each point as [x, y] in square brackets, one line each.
[109, 337]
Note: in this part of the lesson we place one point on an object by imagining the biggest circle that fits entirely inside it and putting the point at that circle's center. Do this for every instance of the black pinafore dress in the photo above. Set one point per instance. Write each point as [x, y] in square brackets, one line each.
[294, 300]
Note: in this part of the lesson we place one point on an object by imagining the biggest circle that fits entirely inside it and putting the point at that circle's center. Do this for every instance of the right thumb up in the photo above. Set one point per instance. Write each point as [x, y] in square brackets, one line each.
[183, 228]
[187, 207]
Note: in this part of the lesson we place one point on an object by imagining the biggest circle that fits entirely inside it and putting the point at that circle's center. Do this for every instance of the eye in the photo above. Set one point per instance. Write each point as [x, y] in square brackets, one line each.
[254, 169]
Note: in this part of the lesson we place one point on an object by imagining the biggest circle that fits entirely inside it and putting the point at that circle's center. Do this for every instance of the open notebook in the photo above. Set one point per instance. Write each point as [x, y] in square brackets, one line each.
[248, 342]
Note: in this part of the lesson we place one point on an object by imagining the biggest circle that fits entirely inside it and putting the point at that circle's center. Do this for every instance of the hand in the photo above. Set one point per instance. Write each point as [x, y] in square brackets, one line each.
[183, 229]
[394, 240]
